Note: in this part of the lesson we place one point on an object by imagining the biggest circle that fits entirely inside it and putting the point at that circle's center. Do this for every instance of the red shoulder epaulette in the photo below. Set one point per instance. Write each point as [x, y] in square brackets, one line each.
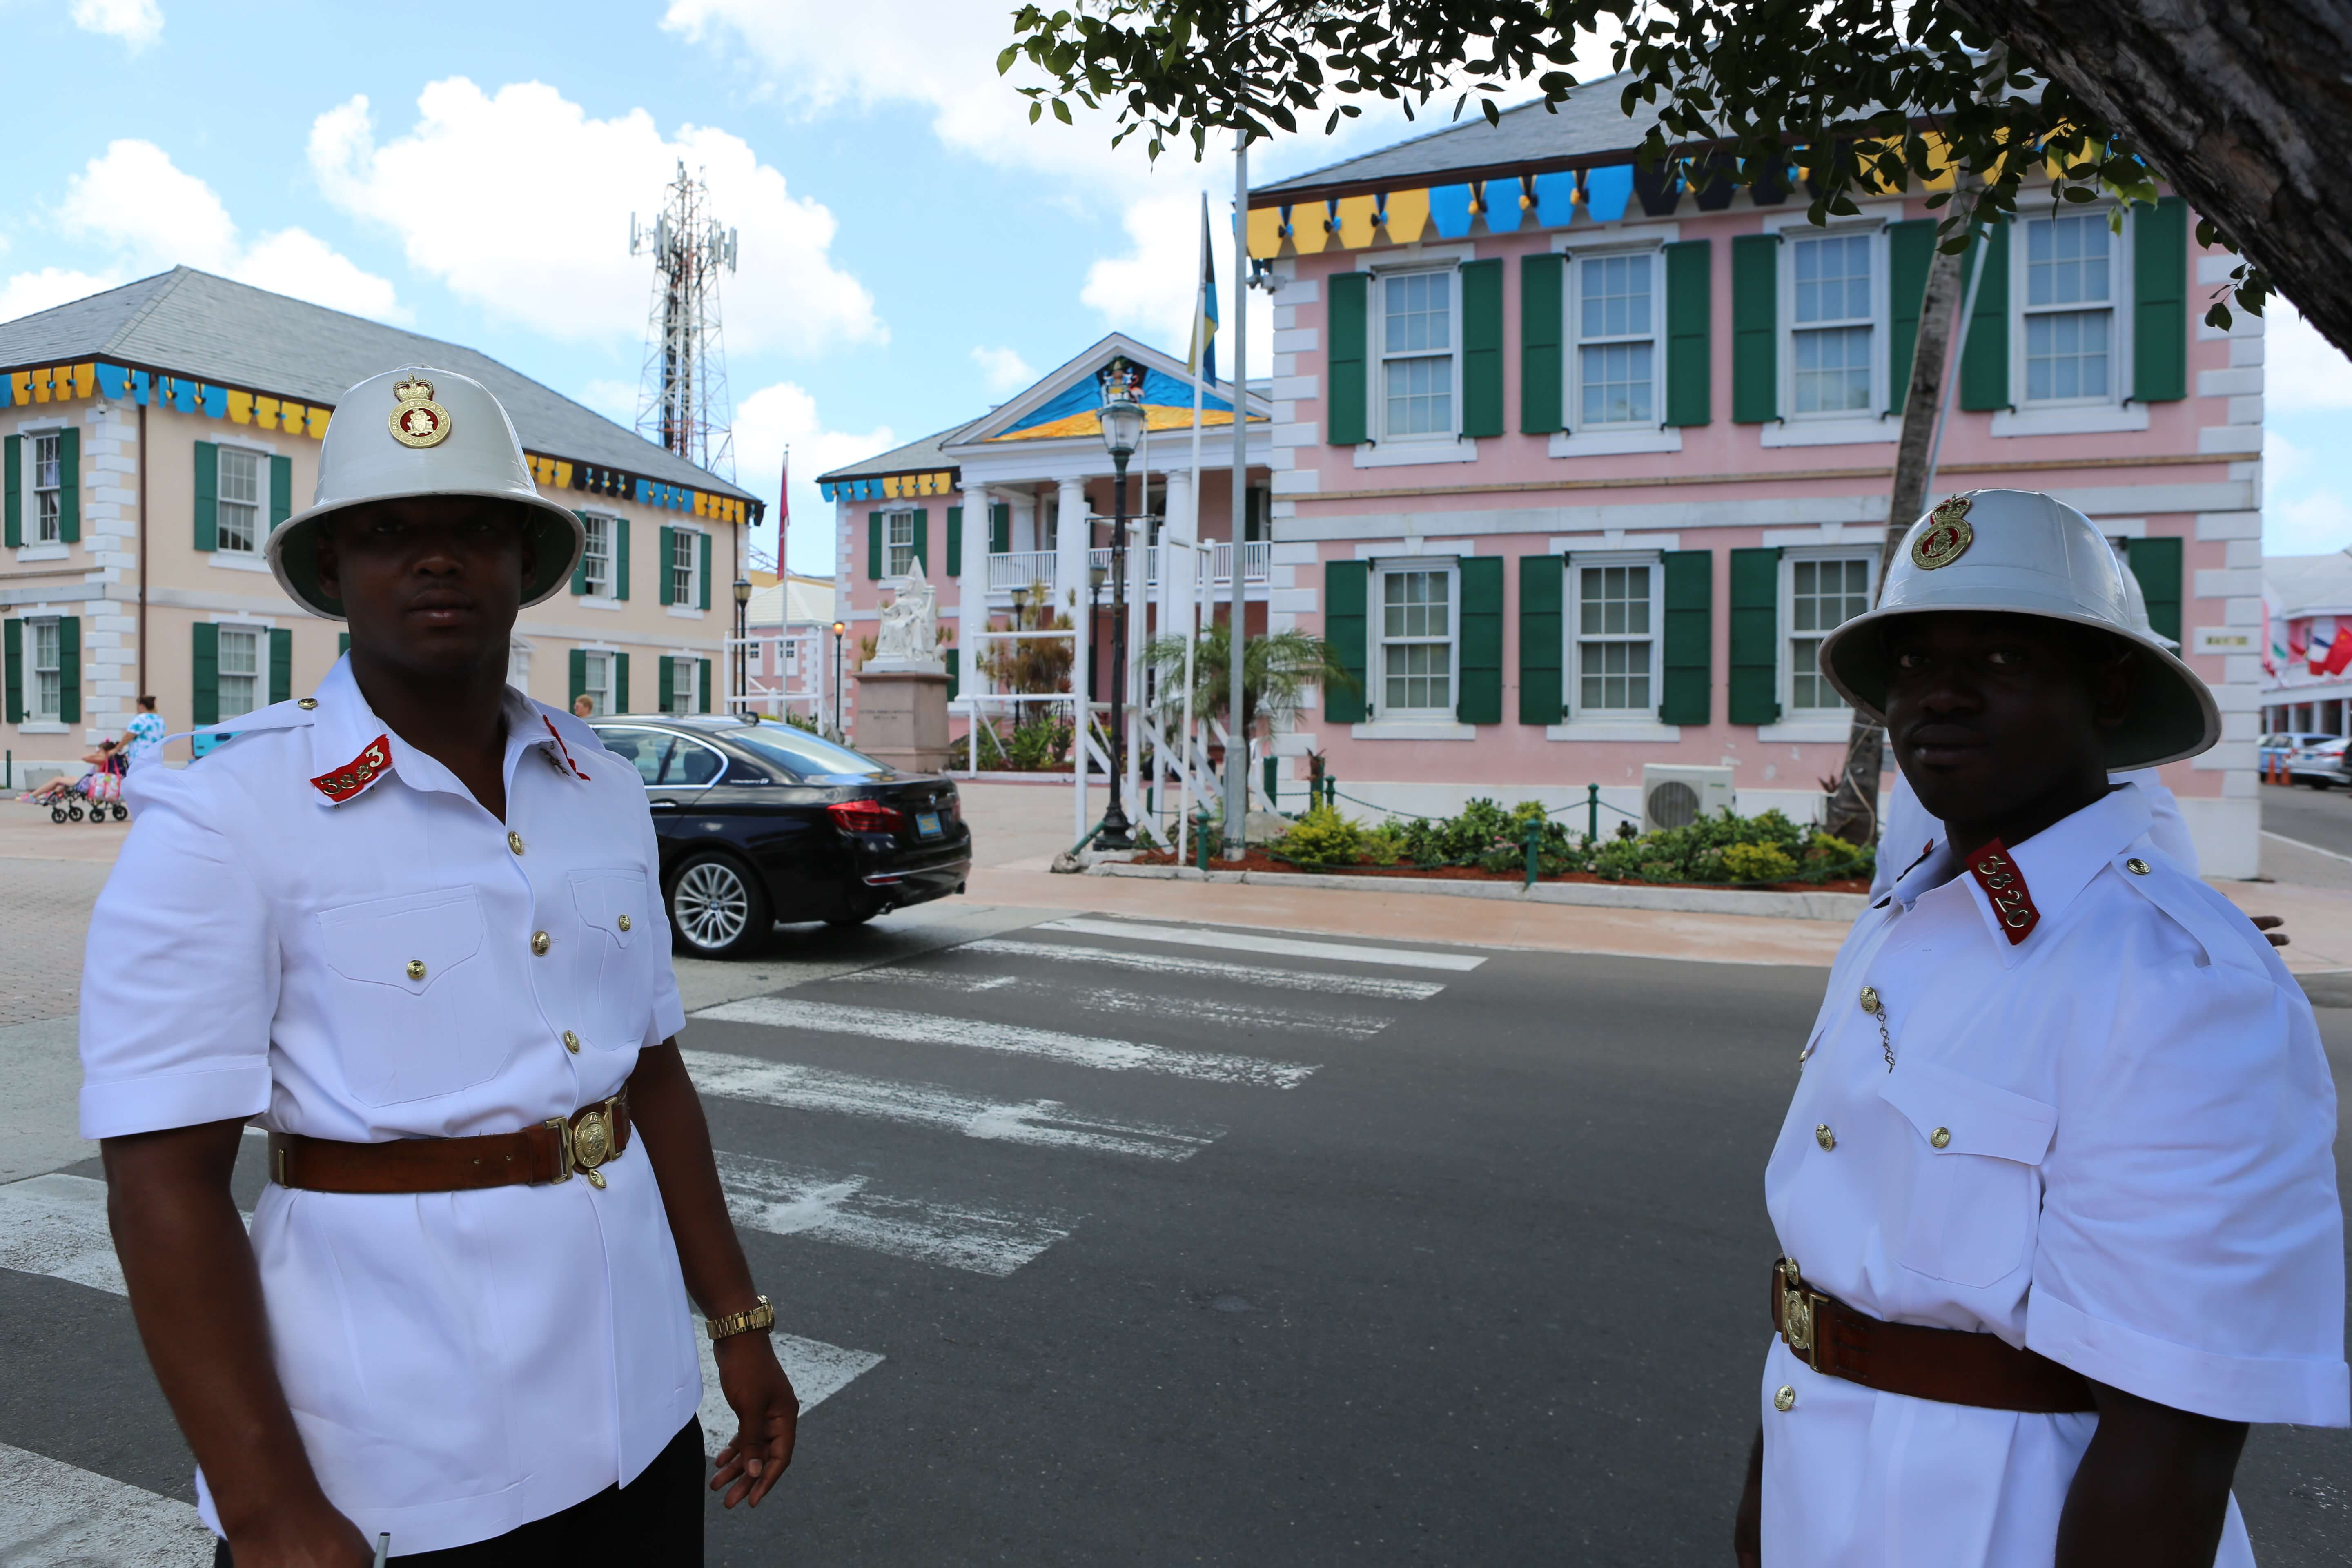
[340, 785]
[1996, 872]
[562, 747]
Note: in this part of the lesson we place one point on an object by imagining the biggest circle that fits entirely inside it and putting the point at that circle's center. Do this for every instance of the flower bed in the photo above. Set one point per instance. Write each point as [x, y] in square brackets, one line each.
[1258, 859]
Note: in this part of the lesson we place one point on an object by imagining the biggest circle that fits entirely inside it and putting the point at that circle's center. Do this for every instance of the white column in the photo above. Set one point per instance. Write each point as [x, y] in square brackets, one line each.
[1070, 599]
[971, 592]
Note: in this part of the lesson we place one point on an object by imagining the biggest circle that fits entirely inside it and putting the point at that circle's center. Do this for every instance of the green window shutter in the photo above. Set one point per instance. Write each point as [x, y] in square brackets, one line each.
[69, 486]
[281, 490]
[665, 685]
[204, 704]
[579, 567]
[1541, 298]
[620, 558]
[923, 539]
[1755, 636]
[1344, 627]
[343, 644]
[12, 655]
[1000, 527]
[1345, 401]
[12, 466]
[620, 683]
[70, 669]
[1481, 701]
[1984, 359]
[702, 570]
[662, 567]
[2155, 563]
[281, 664]
[1542, 579]
[702, 686]
[1481, 362]
[1690, 328]
[1910, 247]
[2160, 301]
[578, 677]
[955, 673]
[207, 504]
[955, 541]
[874, 547]
[1685, 694]
[1755, 329]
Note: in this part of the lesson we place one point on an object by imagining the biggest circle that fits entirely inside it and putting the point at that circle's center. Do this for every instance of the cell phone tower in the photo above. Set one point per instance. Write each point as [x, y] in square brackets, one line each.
[683, 401]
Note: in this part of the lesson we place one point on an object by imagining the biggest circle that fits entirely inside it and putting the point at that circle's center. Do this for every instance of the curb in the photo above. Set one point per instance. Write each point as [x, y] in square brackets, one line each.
[1842, 906]
[2327, 988]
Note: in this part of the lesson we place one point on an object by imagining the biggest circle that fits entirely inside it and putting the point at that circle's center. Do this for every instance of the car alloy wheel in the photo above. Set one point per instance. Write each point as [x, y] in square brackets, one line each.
[716, 909]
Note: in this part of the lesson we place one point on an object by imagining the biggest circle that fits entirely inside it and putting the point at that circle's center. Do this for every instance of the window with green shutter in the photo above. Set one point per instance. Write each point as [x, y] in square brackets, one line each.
[1984, 356]
[12, 488]
[1690, 328]
[1346, 400]
[1481, 701]
[702, 570]
[1910, 248]
[1686, 654]
[873, 546]
[620, 558]
[1755, 636]
[955, 541]
[69, 486]
[955, 658]
[1542, 700]
[596, 537]
[620, 683]
[923, 539]
[1755, 328]
[702, 686]
[203, 672]
[281, 490]
[578, 682]
[2156, 565]
[68, 669]
[667, 580]
[1482, 368]
[1000, 527]
[2160, 303]
[1344, 585]
[1541, 362]
[666, 685]
[12, 660]
[207, 505]
[281, 664]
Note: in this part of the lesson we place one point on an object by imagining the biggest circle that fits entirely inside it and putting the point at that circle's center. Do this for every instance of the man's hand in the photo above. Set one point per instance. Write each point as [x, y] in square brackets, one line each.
[1748, 1524]
[316, 1538]
[2268, 925]
[768, 1414]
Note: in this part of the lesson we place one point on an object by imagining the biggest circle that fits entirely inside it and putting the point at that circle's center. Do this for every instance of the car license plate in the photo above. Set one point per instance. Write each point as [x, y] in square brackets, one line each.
[927, 823]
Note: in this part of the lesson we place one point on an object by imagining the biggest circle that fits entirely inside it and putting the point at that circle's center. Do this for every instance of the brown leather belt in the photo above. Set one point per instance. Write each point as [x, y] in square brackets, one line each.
[1949, 1365]
[551, 1152]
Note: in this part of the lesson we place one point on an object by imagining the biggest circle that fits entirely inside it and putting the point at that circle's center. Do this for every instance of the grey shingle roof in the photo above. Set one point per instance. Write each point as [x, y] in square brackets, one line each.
[1588, 124]
[193, 323]
[915, 457]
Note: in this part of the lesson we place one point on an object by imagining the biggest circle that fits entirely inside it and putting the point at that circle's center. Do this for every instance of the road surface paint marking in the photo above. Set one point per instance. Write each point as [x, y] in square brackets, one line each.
[53, 1515]
[1143, 1004]
[793, 1200]
[1044, 1123]
[1212, 969]
[56, 1225]
[818, 1371]
[1289, 947]
[1013, 1039]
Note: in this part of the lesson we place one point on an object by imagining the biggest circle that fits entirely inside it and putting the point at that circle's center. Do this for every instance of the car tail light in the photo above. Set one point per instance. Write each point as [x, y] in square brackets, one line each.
[866, 816]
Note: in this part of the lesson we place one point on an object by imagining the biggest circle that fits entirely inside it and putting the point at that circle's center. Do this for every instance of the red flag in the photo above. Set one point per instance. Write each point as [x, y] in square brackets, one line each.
[784, 490]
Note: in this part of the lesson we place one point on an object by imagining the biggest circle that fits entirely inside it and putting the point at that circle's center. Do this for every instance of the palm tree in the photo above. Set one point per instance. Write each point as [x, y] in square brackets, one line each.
[1277, 671]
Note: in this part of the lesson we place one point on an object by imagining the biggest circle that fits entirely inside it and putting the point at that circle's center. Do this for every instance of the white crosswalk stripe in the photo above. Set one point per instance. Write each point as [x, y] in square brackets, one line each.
[56, 1225]
[1111, 999]
[818, 1371]
[973, 1034]
[1046, 1123]
[793, 1200]
[53, 1515]
[1252, 942]
[1378, 986]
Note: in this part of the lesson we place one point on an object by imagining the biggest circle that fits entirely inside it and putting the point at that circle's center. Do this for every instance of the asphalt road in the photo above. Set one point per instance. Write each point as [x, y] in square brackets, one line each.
[1483, 1287]
[2322, 818]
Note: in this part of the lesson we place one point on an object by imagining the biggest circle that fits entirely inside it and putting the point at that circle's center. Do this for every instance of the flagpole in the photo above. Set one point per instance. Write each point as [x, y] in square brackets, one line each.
[1236, 742]
[1192, 536]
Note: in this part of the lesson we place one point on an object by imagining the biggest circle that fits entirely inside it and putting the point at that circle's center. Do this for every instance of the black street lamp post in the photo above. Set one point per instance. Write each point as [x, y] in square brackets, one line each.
[1122, 428]
[838, 628]
[742, 649]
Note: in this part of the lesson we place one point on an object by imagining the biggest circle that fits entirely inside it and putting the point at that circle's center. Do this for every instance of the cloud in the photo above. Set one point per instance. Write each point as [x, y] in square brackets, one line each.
[2302, 372]
[612, 399]
[134, 200]
[136, 22]
[520, 202]
[1002, 371]
[2302, 514]
[785, 415]
[1150, 291]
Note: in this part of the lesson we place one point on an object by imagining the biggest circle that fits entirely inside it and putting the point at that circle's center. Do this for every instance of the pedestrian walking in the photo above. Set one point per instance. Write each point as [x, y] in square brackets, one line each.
[583, 706]
[143, 740]
[410, 923]
[2056, 1195]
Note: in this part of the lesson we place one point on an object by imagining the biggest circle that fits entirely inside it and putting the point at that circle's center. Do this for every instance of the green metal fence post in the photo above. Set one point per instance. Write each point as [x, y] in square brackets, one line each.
[1592, 813]
[1535, 838]
[1201, 839]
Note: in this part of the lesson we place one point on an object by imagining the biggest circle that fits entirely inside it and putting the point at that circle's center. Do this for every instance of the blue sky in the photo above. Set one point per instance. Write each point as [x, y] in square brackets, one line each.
[912, 249]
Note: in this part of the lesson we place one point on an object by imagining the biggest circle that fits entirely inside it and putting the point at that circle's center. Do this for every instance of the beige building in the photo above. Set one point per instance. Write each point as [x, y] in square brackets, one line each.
[150, 437]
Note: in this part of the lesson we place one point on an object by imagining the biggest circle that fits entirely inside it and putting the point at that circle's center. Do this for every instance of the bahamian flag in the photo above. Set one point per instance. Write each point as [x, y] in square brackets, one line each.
[1203, 362]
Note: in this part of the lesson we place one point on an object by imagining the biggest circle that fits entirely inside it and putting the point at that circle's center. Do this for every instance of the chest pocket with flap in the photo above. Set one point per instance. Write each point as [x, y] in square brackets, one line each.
[411, 985]
[1965, 1207]
[613, 905]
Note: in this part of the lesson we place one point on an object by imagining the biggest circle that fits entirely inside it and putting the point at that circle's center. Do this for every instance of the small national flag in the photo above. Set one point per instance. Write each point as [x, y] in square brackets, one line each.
[784, 490]
[1202, 362]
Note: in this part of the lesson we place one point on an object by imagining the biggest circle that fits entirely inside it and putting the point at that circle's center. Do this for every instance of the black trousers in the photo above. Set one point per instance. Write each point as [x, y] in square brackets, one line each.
[655, 1519]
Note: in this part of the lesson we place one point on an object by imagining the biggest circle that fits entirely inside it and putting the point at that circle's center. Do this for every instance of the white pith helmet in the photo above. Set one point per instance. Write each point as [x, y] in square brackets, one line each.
[417, 431]
[2021, 552]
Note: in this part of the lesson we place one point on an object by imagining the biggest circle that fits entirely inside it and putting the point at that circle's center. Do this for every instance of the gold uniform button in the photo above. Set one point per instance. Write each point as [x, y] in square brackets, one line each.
[1870, 999]
[2137, 866]
[625, 922]
[1784, 1399]
[307, 704]
[571, 1042]
[1824, 1137]
[541, 942]
[1941, 1137]
[514, 841]
[416, 968]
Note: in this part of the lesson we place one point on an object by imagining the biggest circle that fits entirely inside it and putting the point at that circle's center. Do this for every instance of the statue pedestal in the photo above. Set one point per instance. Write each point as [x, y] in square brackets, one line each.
[902, 716]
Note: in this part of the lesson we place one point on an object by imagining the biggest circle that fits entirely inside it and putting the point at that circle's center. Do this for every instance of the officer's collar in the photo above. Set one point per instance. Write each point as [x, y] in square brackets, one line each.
[2051, 869]
[350, 748]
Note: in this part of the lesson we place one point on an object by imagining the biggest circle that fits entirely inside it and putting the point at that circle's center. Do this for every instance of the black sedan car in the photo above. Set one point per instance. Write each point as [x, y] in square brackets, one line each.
[760, 822]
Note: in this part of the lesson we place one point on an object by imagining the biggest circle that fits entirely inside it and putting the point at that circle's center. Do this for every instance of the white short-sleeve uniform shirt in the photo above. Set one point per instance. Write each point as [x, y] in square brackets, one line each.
[2135, 1179]
[1905, 831]
[458, 1364]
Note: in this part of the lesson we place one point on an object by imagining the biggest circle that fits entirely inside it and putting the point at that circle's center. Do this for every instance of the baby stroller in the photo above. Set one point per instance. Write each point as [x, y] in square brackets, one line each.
[103, 793]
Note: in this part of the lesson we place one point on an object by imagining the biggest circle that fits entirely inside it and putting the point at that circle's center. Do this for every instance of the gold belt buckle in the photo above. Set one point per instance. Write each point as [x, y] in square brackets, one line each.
[1796, 1314]
[584, 1148]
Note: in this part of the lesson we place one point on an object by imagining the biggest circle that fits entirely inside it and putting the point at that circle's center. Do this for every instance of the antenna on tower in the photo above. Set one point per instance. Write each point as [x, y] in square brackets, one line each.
[682, 402]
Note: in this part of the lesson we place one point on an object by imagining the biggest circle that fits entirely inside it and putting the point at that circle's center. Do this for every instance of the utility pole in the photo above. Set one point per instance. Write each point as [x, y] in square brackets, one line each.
[1236, 742]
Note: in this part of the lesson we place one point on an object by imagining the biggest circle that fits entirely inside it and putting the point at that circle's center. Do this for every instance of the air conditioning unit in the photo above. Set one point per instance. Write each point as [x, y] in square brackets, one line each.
[1676, 796]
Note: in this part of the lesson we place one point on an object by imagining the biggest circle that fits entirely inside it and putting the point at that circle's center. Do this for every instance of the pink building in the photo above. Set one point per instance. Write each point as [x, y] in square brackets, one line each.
[1575, 465]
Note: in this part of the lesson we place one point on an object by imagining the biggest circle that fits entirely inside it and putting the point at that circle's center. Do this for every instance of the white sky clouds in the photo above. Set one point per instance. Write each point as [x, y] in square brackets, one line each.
[519, 202]
[2302, 372]
[1003, 372]
[785, 414]
[136, 22]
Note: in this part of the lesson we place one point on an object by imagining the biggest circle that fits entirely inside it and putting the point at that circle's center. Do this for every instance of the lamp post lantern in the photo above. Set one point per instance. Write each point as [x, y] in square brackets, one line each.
[743, 650]
[1122, 429]
[838, 733]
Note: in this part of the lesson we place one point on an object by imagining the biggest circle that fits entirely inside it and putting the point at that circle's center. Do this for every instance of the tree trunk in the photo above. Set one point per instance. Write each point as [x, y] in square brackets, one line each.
[2243, 106]
[1852, 813]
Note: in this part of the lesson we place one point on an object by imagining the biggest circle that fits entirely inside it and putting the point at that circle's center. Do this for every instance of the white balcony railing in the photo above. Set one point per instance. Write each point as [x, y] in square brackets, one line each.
[1008, 570]
[1020, 569]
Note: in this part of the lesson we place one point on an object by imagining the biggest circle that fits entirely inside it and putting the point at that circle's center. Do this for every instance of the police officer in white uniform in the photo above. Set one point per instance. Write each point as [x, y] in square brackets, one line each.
[2056, 1193]
[412, 925]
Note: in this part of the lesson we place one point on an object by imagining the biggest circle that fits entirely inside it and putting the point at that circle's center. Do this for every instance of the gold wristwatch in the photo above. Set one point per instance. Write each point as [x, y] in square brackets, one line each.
[762, 1316]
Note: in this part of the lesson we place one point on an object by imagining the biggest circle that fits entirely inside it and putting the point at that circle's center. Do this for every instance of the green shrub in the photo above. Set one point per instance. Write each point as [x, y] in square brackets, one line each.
[1385, 845]
[1759, 863]
[1039, 745]
[1322, 837]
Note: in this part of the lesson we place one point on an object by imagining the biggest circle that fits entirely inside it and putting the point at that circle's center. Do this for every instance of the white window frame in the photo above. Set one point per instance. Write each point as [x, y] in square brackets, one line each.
[1572, 340]
[258, 696]
[685, 592]
[519, 664]
[597, 680]
[44, 705]
[590, 523]
[1880, 322]
[2119, 308]
[1571, 628]
[1377, 332]
[47, 528]
[688, 666]
[891, 545]
[260, 502]
[1785, 682]
[1450, 568]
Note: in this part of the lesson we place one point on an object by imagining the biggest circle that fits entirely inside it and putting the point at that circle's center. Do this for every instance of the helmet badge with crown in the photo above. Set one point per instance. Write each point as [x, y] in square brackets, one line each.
[416, 419]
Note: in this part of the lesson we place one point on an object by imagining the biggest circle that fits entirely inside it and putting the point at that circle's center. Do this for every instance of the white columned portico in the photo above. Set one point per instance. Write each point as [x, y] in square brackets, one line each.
[971, 592]
[1070, 553]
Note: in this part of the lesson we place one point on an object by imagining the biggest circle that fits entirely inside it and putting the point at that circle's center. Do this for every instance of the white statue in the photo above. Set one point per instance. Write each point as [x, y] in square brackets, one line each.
[908, 637]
